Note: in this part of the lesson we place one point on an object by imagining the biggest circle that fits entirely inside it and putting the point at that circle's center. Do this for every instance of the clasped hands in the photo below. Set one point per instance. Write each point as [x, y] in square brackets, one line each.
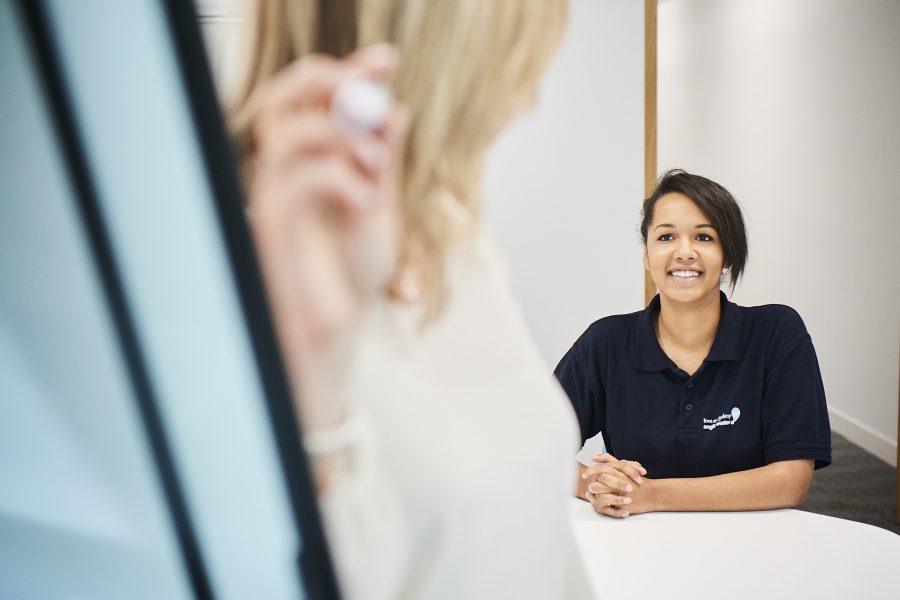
[617, 488]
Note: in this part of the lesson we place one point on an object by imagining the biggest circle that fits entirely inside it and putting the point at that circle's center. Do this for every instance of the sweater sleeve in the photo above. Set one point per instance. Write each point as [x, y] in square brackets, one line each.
[365, 525]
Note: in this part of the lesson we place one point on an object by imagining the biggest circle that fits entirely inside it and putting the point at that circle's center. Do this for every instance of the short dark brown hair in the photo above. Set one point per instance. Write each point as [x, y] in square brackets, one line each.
[717, 204]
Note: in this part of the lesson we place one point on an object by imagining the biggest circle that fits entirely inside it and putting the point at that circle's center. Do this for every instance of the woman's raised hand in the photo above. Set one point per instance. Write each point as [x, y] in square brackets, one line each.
[323, 211]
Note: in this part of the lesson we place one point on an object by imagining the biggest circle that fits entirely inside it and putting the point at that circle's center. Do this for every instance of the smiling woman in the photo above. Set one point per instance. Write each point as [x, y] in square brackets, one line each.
[709, 405]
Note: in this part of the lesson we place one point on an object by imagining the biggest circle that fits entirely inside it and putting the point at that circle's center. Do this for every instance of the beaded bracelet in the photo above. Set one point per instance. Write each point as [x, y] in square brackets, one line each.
[331, 440]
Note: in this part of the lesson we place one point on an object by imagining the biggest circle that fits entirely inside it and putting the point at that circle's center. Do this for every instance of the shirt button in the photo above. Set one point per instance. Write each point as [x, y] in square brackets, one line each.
[691, 384]
[689, 407]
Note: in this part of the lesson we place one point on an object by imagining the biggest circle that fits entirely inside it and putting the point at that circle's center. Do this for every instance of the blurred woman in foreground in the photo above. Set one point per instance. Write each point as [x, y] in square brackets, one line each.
[415, 376]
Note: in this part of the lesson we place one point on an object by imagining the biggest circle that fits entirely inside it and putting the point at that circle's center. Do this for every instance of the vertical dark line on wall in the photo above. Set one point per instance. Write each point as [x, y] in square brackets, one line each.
[649, 118]
[62, 114]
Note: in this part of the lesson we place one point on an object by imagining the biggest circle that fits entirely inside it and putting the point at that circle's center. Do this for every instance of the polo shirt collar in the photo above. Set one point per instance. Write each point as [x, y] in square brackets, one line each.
[649, 356]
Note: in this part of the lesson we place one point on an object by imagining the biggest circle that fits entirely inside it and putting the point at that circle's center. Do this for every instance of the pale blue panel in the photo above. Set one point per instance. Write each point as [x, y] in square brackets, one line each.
[160, 211]
[81, 512]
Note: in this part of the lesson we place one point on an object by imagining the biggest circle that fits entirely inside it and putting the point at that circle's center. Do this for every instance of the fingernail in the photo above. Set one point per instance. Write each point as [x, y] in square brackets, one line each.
[383, 55]
[626, 501]
[628, 488]
[640, 480]
[625, 514]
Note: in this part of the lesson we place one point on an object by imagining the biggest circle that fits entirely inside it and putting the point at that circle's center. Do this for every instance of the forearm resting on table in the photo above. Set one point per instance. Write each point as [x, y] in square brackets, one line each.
[782, 484]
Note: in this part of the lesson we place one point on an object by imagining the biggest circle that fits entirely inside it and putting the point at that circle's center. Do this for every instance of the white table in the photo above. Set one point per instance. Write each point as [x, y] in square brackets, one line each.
[761, 555]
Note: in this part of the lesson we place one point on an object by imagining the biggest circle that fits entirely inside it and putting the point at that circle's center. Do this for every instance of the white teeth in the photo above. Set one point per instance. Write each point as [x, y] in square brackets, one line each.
[685, 274]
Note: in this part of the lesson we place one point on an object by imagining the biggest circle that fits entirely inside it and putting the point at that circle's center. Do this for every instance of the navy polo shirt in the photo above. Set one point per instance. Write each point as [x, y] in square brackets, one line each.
[758, 397]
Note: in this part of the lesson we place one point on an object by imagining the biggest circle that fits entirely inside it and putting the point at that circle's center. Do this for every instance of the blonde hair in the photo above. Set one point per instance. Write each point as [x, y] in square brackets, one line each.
[466, 67]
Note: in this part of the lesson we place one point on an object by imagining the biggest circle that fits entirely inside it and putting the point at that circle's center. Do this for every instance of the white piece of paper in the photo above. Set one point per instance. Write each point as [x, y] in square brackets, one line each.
[592, 447]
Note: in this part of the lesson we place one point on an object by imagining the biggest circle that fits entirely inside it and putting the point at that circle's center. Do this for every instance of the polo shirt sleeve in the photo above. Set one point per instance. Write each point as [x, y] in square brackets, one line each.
[584, 392]
[794, 414]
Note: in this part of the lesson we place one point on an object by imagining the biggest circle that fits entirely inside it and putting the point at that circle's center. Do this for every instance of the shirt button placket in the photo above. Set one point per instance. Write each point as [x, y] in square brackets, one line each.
[688, 427]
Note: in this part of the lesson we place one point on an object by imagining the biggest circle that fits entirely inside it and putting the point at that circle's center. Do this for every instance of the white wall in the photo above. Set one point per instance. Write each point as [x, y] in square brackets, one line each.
[794, 105]
[564, 184]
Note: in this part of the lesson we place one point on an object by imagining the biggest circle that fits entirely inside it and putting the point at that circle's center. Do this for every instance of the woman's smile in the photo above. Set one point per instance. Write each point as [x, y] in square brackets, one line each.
[685, 276]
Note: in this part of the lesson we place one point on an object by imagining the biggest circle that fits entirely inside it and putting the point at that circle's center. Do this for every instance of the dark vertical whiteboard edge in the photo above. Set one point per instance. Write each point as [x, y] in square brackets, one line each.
[314, 560]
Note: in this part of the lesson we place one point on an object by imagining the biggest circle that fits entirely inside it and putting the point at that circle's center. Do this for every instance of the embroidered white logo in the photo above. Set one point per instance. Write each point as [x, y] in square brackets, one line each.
[723, 419]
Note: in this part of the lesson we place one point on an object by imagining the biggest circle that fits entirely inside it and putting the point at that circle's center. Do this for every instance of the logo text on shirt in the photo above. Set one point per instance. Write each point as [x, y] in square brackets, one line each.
[723, 419]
